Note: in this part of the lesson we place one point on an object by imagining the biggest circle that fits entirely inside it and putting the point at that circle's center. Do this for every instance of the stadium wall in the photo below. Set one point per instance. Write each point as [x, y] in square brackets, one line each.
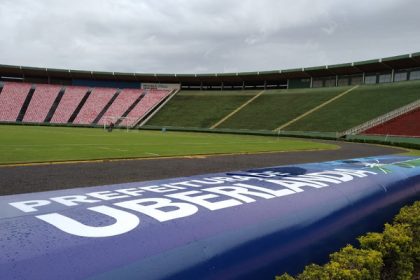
[390, 69]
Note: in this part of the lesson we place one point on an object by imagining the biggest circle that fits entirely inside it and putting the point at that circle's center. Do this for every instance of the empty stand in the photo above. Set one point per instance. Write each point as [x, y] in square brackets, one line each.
[132, 106]
[25, 105]
[404, 125]
[54, 106]
[12, 98]
[41, 102]
[79, 107]
[97, 100]
[72, 97]
[110, 102]
[124, 101]
[147, 103]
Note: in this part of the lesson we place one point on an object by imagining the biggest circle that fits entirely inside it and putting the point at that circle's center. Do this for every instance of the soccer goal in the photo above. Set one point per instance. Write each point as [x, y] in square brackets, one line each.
[111, 122]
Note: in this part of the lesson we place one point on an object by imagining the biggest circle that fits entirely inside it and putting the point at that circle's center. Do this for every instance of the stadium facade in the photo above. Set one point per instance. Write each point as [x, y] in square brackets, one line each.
[384, 70]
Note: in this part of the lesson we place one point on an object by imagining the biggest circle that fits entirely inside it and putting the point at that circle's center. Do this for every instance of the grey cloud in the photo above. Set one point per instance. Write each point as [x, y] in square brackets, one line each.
[184, 36]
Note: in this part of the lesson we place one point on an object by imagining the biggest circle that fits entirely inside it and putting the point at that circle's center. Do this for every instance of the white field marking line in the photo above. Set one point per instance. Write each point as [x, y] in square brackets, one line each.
[153, 154]
[102, 146]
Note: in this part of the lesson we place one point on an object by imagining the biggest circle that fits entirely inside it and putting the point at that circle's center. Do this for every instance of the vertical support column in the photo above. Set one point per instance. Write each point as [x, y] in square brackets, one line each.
[364, 78]
[392, 75]
[265, 85]
[243, 85]
[222, 86]
[287, 84]
[336, 80]
[312, 82]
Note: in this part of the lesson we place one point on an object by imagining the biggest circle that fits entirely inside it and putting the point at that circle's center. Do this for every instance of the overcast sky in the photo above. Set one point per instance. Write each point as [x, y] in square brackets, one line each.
[202, 36]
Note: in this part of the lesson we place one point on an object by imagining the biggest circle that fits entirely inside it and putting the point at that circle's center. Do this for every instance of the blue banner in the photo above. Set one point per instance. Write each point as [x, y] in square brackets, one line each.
[246, 224]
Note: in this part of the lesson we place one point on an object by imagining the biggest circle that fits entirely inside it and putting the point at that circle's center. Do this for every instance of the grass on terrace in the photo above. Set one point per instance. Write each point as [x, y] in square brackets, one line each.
[199, 109]
[20, 144]
[276, 107]
[359, 106]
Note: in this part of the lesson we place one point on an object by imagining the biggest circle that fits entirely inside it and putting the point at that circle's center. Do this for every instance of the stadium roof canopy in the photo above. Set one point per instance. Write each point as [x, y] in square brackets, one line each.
[396, 63]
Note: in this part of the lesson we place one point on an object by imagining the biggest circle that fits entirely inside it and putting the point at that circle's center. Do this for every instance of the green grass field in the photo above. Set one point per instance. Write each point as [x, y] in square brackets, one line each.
[20, 144]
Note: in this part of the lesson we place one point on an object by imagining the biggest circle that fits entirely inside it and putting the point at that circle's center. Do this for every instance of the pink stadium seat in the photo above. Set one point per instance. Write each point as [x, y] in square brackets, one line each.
[149, 101]
[41, 103]
[124, 100]
[94, 105]
[12, 98]
[404, 125]
[68, 104]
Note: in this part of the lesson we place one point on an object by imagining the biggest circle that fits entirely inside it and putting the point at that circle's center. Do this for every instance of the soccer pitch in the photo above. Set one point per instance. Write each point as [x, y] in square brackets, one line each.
[25, 144]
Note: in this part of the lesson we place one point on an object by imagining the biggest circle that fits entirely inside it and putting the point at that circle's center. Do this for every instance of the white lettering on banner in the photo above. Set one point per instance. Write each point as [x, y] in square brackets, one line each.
[30, 205]
[239, 193]
[294, 186]
[131, 191]
[70, 200]
[202, 200]
[277, 193]
[107, 195]
[162, 189]
[153, 208]
[124, 223]
[180, 201]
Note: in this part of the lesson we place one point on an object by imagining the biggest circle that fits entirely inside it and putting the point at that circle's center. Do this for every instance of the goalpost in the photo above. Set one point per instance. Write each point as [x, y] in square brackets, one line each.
[118, 122]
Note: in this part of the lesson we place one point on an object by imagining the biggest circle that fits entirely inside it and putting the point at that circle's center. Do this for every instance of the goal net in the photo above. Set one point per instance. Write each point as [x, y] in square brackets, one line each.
[111, 122]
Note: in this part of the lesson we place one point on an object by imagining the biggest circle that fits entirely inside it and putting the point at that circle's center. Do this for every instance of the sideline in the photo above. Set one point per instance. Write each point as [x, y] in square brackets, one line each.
[196, 156]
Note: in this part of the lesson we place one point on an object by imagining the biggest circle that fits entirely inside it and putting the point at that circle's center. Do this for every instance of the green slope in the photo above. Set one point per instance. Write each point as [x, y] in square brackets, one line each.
[276, 107]
[199, 109]
[359, 106]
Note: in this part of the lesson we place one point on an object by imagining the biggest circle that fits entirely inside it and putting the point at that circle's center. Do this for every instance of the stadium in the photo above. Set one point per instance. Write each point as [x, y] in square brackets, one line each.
[226, 175]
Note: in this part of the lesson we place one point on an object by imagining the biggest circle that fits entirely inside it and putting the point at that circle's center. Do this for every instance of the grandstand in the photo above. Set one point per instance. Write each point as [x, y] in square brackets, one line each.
[121, 104]
[72, 97]
[96, 102]
[41, 102]
[407, 124]
[46, 103]
[330, 99]
[12, 99]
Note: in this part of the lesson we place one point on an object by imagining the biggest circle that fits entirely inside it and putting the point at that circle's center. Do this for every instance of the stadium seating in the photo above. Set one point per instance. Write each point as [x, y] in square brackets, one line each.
[149, 101]
[12, 98]
[71, 99]
[407, 124]
[124, 100]
[94, 105]
[41, 103]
